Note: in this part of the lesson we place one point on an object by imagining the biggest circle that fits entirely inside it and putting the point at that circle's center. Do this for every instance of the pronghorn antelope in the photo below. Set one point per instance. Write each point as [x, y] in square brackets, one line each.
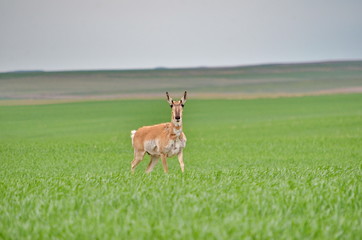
[161, 140]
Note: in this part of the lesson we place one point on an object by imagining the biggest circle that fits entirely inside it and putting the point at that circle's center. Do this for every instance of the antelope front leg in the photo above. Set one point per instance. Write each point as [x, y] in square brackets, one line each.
[181, 161]
[164, 163]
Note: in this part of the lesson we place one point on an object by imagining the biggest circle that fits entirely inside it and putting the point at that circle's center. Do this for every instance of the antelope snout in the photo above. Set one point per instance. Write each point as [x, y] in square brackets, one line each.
[177, 118]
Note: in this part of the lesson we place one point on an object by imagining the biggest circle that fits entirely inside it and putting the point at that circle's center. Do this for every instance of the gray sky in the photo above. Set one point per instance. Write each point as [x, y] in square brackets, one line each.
[122, 34]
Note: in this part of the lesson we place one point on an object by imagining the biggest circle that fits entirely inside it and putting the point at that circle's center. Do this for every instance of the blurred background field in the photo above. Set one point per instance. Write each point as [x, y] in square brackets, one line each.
[229, 82]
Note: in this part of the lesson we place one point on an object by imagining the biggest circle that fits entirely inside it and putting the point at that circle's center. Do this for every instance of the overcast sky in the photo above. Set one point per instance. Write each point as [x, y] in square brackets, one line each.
[122, 34]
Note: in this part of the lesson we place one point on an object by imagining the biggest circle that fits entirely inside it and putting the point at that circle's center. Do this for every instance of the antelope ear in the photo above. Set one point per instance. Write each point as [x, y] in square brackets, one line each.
[169, 100]
[183, 99]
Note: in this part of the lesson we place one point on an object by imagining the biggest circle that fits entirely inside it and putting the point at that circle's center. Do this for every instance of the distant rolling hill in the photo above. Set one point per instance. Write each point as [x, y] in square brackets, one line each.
[224, 82]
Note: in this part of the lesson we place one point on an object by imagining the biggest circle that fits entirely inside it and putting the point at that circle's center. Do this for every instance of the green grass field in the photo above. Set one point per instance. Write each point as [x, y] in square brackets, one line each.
[286, 168]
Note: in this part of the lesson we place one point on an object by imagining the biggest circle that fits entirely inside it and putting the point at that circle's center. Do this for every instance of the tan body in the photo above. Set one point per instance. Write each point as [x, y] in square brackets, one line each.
[161, 140]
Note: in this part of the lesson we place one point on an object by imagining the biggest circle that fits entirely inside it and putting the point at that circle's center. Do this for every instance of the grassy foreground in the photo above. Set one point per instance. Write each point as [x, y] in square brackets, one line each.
[286, 168]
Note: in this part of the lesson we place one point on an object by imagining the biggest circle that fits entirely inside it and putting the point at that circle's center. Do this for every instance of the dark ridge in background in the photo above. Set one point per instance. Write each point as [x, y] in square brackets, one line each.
[270, 80]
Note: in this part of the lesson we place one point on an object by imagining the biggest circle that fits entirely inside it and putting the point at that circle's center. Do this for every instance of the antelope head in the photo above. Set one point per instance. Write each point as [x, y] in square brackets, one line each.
[177, 107]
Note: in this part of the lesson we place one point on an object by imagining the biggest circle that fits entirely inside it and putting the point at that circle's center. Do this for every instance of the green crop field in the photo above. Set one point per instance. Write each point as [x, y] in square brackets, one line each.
[285, 168]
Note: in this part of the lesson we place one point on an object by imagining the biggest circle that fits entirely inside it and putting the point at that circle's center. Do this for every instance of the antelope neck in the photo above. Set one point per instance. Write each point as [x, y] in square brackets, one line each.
[176, 129]
[176, 125]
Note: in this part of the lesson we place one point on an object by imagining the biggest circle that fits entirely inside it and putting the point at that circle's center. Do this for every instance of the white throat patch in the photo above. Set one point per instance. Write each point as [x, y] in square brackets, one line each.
[177, 124]
[177, 131]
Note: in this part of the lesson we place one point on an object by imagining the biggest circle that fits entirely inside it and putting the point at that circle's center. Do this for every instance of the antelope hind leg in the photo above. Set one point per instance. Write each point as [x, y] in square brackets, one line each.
[138, 156]
[152, 164]
[164, 163]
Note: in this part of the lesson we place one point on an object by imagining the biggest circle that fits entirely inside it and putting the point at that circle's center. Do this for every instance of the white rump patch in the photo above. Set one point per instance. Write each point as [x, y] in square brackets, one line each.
[133, 132]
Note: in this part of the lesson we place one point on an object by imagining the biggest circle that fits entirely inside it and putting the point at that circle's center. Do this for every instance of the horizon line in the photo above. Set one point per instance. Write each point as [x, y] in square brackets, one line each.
[182, 67]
